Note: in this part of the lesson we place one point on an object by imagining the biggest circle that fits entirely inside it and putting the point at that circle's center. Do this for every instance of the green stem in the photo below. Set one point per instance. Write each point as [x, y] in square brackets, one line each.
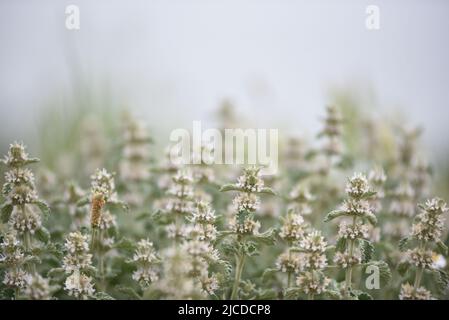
[348, 276]
[420, 271]
[240, 261]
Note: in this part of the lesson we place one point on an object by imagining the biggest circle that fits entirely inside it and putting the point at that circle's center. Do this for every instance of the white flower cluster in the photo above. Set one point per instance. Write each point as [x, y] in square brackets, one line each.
[313, 282]
[312, 279]
[430, 221]
[289, 262]
[251, 180]
[345, 260]
[13, 258]
[403, 201]
[332, 131]
[246, 202]
[353, 231]
[203, 219]
[102, 182]
[377, 179]
[248, 226]
[79, 285]
[133, 166]
[293, 227]
[300, 200]
[176, 283]
[38, 288]
[19, 191]
[408, 292]
[145, 258]
[76, 262]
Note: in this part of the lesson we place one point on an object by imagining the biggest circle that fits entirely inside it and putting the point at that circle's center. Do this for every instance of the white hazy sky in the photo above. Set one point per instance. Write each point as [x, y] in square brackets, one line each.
[174, 60]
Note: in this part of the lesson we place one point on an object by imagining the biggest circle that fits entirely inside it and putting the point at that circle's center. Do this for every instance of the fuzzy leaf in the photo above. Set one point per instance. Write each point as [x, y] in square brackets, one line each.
[403, 243]
[125, 244]
[266, 238]
[341, 244]
[364, 296]
[403, 267]
[269, 274]
[369, 194]
[229, 187]
[43, 235]
[371, 218]
[441, 279]
[367, 249]
[55, 273]
[102, 296]
[129, 292]
[267, 190]
[43, 207]
[334, 214]
[441, 248]
[6, 211]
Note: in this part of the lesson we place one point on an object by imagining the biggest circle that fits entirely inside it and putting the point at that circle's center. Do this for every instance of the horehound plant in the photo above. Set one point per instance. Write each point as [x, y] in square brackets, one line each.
[180, 205]
[244, 229]
[311, 279]
[103, 222]
[425, 237]
[23, 208]
[147, 262]
[77, 263]
[13, 261]
[134, 165]
[353, 249]
[291, 231]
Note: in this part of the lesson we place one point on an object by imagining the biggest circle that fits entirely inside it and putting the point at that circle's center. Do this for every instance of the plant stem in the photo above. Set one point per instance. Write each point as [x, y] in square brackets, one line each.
[419, 272]
[349, 268]
[240, 261]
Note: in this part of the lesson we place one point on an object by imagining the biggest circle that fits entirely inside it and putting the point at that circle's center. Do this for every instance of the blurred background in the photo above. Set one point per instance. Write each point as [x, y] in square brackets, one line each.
[172, 62]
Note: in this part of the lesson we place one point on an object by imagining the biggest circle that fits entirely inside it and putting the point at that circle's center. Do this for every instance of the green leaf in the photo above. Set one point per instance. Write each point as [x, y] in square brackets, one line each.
[266, 238]
[369, 194]
[341, 244]
[43, 207]
[441, 248]
[292, 293]
[250, 249]
[269, 274]
[229, 187]
[334, 214]
[267, 190]
[43, 235]
[403, 267]
[403, 243]
[129, 292]
[367, 249]
[441, 280]
[102, 296]
[6, 211]
[361, 295]
[371, 218]
[125, 244]
[55, 273]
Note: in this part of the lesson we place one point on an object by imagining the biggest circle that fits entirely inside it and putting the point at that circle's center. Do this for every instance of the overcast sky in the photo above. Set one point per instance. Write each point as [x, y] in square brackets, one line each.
[174, 60]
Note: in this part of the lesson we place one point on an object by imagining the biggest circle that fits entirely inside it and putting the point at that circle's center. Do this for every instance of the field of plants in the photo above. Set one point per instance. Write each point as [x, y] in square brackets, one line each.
[354, 213]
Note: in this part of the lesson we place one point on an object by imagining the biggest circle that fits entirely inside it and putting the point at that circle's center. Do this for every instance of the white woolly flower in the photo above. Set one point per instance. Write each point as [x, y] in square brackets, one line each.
[79, 285]
[246, 202]
[357, 186]
[350, 231]
[408, 292]
[251, 180]
[38, 288]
